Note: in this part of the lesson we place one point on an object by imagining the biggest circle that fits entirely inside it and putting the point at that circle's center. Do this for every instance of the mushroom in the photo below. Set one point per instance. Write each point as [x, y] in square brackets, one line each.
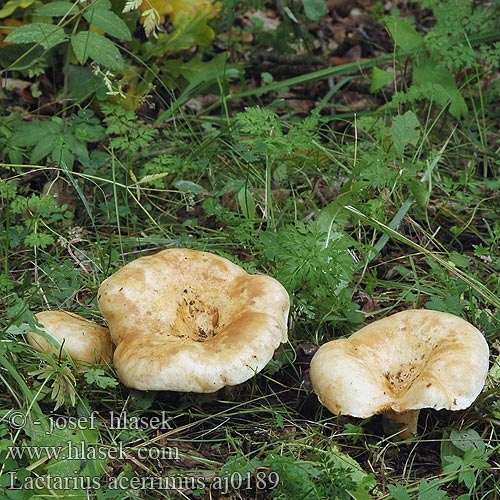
[397, 365]
[85, 341]
[186, 320]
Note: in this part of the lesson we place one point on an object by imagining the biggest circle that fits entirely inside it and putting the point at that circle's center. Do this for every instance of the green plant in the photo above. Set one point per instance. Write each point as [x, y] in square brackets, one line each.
[100, 32]
[58, 141]
[316, 263]
[331, 475]
[54, 462]
[427, 490]
[58, 374]
[29, 219]
[85, 43]
[456, 24]
[128, 134]
[464, 35]
[464, 455]
[268, 142]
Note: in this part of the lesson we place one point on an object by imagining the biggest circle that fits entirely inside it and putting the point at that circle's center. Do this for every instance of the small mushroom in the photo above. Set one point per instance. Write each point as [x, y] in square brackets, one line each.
[185, 320]
[85, 341]
[397, 365]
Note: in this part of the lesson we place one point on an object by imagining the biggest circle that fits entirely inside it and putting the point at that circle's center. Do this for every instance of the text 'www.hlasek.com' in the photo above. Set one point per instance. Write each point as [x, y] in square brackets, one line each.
[93, 466]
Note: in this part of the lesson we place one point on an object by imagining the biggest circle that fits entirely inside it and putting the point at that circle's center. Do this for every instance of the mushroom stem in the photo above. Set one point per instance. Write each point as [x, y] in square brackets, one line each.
[404, 424]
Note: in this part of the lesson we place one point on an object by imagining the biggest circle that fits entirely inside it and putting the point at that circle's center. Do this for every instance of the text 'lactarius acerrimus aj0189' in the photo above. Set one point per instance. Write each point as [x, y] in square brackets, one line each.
[84, 341]
[397, 365]
[191, 321]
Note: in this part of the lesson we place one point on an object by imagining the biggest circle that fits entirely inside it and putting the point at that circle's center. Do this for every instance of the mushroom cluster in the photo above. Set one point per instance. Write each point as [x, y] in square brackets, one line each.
[400, 364]
[180, 320]
[191, 321]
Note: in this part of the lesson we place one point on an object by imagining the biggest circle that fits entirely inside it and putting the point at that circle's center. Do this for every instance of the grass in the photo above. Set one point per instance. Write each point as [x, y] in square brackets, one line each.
[355, 220]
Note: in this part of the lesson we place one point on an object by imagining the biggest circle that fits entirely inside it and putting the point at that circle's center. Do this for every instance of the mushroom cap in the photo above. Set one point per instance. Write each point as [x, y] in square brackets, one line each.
[191, 321]
[411, 360]
[84, 340]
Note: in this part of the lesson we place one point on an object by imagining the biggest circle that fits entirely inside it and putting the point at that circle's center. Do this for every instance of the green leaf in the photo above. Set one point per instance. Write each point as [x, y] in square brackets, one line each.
[420, 192]
[494, 373]
[109, 22]
[88, 44]
[438, 83]
[467, 439]
[70, 452]
[89, 133]
[72, 142]
[460, 260]
[82, 82]
[47, 35]
[380, 78]
[247, 203]
[315, 9]
[30, 134]
[458, 106]
[429, 490]
[100, 377]
[452, 303]
[405, 131]
[100, 4]
[466, 466]
[41, 240]
[57, 9]
[405, 36]
[398, 492]
[63, 155]
[189, 187]
[42, 149]
[240, 464]
[197, 72]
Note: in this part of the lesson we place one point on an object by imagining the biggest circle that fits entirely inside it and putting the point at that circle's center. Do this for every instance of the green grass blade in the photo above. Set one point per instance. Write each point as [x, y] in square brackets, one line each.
[390, 232]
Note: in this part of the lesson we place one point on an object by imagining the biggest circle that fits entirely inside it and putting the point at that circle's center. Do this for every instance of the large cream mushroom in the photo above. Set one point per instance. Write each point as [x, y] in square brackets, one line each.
[185, 320]
[85, 341]
[397, 365]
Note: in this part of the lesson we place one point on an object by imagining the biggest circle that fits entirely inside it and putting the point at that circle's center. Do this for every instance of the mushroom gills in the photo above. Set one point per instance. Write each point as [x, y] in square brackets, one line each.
[195, 321]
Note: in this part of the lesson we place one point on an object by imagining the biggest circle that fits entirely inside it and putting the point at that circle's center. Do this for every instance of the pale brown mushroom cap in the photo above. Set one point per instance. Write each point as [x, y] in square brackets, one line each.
[411, 360]
[84, 340]
[185, 320]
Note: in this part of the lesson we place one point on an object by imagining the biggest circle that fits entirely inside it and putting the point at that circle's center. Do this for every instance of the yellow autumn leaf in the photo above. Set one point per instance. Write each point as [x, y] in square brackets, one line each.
[12, 5]
[173, 8]
[192, 7]
[163, 8]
